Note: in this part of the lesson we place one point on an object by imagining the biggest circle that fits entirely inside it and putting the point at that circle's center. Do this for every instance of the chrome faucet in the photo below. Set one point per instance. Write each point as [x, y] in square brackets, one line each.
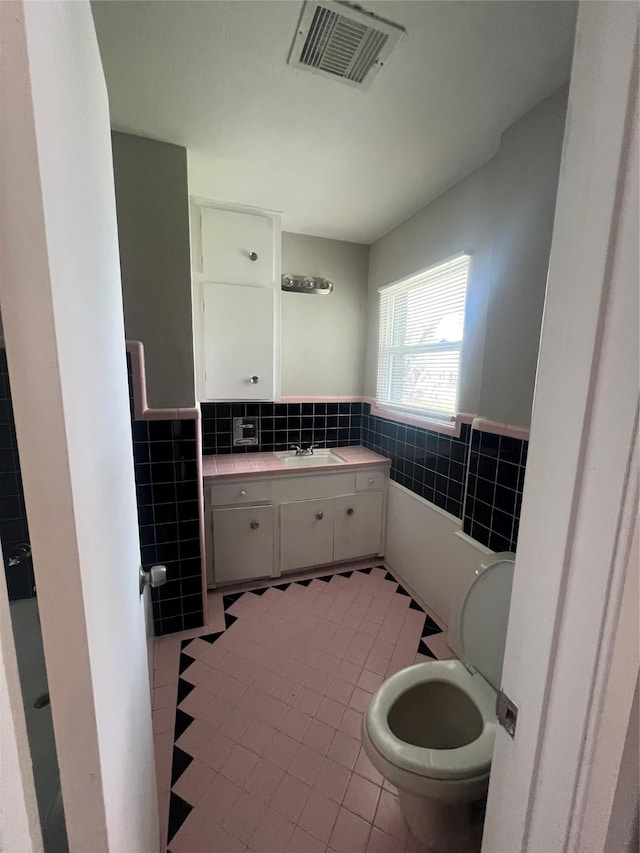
[307, 451]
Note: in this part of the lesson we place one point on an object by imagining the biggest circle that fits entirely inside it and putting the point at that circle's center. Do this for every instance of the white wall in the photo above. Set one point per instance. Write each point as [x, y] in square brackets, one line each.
[502, 215]
[62, 312]
[424, 548]
[323, 336]
[153, 230]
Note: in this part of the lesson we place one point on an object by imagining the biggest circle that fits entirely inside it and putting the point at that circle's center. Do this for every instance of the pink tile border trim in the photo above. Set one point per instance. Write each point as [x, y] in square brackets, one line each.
[452, 429]
[140, 405]
[142, 412]
[323, 399]
[510, 430]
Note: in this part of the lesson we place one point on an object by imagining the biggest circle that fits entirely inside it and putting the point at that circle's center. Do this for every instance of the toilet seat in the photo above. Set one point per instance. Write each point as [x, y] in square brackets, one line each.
[465, 762]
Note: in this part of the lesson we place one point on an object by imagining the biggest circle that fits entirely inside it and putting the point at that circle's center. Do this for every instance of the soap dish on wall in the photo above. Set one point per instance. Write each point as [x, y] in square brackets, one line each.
[306, 284]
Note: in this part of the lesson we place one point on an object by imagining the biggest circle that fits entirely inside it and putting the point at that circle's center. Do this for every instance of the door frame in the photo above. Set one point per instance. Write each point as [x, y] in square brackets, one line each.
[63, 325]
[19, 817]
[574, 544]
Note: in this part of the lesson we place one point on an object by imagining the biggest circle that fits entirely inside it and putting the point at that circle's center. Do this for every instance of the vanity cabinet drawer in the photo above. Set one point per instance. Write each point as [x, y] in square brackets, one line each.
[240, 493]
[367, 480]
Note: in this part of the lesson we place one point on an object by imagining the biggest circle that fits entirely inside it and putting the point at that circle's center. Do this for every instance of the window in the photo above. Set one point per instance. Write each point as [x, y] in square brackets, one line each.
[421, 330]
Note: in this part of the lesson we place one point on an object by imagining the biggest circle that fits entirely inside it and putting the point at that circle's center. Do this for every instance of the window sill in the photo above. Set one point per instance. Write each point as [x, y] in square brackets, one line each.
[451, 428]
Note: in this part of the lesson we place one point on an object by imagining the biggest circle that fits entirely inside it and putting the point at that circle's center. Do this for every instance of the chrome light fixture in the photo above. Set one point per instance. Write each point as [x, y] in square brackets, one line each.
[306, 284]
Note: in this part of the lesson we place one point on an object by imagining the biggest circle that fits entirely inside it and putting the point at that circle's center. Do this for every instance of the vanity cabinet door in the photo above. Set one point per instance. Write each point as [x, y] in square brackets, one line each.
[357, 526]
[306, 533]
[242, 543]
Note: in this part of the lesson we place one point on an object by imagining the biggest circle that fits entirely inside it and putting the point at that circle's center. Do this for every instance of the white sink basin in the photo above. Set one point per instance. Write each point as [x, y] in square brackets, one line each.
[318, 458]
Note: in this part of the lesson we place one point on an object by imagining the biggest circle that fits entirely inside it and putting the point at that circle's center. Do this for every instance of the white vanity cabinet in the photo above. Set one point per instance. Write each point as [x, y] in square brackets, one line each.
[306, 533]
[236, 301]
[356, 525]
[243, 542]
[271, 525]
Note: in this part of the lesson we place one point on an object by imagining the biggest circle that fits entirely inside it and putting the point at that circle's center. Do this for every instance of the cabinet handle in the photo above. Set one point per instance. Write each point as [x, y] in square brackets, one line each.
[243, 494]
[319, 516]
[253, 256]
[371, 481]
[254, 525]
[350, 511]
[254, 380]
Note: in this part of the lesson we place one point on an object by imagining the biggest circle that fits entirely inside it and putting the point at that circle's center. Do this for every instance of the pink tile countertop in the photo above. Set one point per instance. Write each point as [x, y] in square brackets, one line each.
[223, 466]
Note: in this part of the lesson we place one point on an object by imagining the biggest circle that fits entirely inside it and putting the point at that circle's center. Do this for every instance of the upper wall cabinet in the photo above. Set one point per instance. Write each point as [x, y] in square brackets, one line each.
[237, 246]
[236, 279]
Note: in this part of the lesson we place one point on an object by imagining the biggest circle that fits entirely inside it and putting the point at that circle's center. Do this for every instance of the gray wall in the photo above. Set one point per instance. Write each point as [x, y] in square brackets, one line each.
[323, 336]
[502, 214]
[153, 229]
[525, 198]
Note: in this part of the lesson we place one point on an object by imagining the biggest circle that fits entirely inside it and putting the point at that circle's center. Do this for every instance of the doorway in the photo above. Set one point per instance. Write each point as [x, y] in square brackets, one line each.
[25, 623]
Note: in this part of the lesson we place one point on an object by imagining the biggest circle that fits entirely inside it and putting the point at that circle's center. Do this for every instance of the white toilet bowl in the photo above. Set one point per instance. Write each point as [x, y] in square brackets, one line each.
[430, 728]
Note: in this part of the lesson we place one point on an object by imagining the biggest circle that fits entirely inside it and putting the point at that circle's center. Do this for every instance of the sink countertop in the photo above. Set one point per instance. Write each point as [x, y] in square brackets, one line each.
[225, 466]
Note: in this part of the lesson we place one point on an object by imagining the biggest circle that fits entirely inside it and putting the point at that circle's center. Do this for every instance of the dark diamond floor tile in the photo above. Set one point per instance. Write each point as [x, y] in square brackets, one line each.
[179, 811]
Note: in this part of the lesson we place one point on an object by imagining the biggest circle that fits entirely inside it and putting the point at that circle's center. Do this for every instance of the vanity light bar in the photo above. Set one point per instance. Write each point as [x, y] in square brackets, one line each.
[306, 284]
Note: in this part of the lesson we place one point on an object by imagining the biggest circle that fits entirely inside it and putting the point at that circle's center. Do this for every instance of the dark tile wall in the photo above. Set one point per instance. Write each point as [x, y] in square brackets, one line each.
[282, 424]
[430, 464]
[167, 491]
[497, 467]
[434, 466]
[13, 517]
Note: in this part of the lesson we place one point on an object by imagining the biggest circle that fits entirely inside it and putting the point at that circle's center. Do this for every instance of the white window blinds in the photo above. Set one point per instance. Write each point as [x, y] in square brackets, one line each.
[421, 330]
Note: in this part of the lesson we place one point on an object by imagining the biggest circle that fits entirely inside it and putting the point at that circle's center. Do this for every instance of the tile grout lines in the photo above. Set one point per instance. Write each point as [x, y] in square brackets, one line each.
[179, 808]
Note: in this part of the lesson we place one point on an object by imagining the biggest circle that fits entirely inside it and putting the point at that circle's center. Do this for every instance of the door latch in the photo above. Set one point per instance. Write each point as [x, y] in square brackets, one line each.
[507, 713]
[156, 576]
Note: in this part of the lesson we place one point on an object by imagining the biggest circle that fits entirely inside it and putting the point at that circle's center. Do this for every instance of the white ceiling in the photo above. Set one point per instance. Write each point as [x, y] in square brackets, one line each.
[339, 162]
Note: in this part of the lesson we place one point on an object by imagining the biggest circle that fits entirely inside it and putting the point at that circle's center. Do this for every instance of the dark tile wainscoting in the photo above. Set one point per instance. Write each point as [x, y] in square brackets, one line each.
[167, 491]
[428, 463]
[434, 466]
[14, 530]
[281, 425]
[497, 467]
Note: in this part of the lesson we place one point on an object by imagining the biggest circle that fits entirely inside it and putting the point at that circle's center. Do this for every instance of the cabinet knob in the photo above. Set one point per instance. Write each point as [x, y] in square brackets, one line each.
[319, 516]
[350, 511]
[253, 256]
[254, 525]
[371, 481]
[243, 494]
[254, 380]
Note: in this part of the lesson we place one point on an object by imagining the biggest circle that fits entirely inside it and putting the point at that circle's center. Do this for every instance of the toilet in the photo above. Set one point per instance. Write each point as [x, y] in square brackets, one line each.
[430, 728]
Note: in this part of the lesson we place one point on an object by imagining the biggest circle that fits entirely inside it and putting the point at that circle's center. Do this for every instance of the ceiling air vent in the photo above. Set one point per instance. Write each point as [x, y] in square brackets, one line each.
[343, 42]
